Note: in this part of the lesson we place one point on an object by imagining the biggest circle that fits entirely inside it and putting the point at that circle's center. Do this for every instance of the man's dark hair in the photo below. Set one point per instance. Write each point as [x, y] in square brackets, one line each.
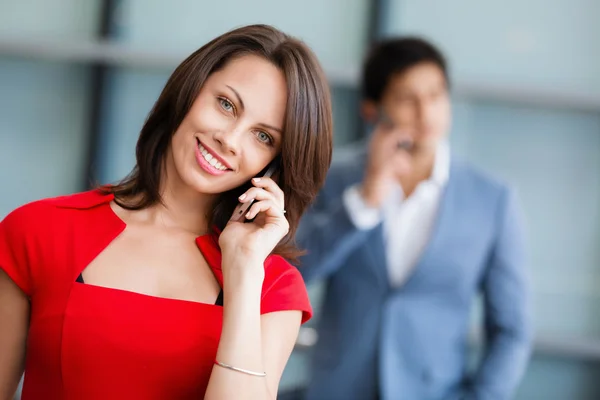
[394, 56]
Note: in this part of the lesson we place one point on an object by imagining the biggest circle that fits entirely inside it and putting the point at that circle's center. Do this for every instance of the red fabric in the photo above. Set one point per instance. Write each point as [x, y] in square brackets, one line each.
[89, 342]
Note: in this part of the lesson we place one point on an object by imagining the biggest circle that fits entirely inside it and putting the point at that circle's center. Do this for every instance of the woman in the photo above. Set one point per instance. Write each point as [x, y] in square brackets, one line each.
[149, 289]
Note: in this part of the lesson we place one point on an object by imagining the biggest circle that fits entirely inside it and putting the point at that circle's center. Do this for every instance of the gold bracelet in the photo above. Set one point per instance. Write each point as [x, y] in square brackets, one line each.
[243, 371]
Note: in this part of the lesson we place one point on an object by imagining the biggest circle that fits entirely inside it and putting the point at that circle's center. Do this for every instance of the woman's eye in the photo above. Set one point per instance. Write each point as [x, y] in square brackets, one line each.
[226, 105]
[264, 137]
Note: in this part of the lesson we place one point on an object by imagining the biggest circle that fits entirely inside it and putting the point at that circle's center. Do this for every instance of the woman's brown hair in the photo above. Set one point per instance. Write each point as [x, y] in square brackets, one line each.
[308, 130]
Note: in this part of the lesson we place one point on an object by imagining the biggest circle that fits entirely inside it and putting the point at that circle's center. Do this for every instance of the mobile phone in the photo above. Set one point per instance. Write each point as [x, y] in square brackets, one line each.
[242, 208]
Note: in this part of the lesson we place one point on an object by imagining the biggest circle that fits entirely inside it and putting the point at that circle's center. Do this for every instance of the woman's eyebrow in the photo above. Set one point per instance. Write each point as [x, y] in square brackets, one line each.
[239, 99]
[271, 127]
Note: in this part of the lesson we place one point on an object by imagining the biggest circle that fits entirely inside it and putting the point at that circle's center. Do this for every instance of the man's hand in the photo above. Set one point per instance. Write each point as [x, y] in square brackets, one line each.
[388, 159]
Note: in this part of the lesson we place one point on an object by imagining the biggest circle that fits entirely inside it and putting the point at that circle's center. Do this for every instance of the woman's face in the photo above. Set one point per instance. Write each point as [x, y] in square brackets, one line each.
[233, 129]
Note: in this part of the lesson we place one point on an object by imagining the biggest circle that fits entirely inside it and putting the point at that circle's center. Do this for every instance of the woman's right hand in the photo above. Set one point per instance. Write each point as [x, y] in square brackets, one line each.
[253, 241]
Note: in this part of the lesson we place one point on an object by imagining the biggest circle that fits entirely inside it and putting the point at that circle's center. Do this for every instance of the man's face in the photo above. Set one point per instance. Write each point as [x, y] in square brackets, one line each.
[417, 101]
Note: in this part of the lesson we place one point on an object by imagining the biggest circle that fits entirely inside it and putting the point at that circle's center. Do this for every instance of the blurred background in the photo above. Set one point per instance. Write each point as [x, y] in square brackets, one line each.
[78, 77]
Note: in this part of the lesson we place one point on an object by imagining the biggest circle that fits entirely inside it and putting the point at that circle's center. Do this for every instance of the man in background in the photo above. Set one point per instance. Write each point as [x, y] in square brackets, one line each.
[406, 236]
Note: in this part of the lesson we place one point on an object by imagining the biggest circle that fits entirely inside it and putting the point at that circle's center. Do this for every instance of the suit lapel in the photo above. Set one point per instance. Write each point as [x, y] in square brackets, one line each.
[376, 245]
[377, 253]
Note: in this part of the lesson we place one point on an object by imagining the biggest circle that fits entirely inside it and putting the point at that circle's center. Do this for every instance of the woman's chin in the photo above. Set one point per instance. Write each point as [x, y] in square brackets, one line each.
[212, 185]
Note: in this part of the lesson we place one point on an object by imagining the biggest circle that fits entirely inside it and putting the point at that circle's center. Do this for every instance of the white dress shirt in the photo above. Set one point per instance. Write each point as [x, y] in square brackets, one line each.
[407, 222]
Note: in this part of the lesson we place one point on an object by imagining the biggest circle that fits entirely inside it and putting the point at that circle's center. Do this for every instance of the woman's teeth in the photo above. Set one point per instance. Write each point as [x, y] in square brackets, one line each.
[211, 160]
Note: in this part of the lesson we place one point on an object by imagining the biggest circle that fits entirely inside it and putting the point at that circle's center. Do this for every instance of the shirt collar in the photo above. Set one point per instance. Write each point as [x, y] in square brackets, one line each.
[441, 167]
[440, 173]
[83, 200]
[208, 243]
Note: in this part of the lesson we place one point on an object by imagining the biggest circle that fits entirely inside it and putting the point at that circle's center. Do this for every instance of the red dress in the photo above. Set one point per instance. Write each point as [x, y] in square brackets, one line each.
[90, 342]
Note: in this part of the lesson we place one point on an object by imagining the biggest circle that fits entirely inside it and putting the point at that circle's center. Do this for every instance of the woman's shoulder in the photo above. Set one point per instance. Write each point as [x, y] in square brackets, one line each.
[37, 238]
[43, 217]
[284, 288]
[81, 200]
[277, 266]
[40, 210]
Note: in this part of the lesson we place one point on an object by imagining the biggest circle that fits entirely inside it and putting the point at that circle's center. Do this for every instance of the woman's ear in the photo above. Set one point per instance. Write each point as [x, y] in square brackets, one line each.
[369, 111]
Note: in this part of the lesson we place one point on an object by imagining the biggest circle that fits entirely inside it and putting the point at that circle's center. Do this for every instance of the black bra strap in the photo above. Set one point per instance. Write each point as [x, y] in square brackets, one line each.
[219, 301]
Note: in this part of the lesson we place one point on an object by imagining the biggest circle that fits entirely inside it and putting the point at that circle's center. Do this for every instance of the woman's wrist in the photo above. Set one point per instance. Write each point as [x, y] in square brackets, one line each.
[242, 270]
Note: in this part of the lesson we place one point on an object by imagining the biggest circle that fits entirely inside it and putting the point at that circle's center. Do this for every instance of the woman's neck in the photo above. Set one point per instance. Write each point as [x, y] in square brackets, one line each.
[184, 209]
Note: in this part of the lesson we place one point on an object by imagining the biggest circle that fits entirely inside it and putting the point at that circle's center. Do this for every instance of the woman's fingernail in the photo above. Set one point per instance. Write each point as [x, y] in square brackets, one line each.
[248, 215]
[242, 197]
[256, 179]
